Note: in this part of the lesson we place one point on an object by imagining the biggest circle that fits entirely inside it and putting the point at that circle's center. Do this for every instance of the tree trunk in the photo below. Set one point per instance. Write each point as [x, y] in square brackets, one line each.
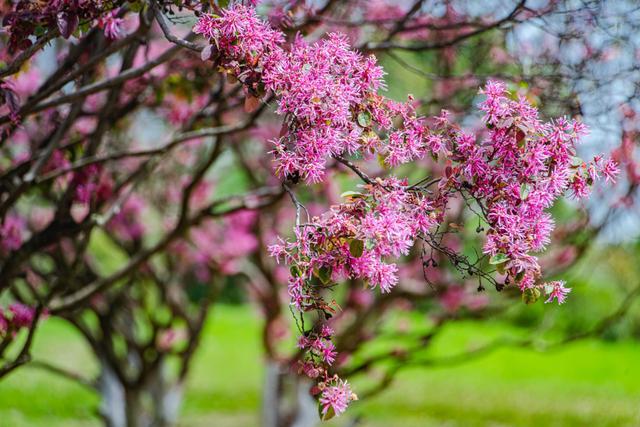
[155, 404]
[286, 401]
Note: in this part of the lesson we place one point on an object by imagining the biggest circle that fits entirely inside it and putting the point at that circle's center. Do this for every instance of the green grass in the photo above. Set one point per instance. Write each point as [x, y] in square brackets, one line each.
[586, 383]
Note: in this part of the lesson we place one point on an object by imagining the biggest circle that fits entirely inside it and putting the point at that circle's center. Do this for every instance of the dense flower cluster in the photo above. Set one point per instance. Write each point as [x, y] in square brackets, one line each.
[354, 239]
[518, 171]
[326, 91]
[321, 90]
[328, 95]
[240, 39]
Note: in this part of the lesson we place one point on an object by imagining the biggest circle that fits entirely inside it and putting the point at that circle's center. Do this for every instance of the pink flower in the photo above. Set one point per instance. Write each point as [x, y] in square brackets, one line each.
[326, 331]
[336, 397]
[22, 315]
[327, 351]
[556, 290]
[111, 25]
[11, 233]
[128, 224]
[610, 170]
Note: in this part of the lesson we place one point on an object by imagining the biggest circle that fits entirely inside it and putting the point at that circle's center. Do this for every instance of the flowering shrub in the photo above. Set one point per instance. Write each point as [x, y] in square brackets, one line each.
[135, 181]
[328, 95]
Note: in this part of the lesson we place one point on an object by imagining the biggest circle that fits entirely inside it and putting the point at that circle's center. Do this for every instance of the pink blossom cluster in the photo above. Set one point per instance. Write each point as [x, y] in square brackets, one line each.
[11, 233]
[318, 345]
[326, 91]
[127, 224]
[219, 245]
[92, 185]
[321, 89]
[354, 239]
[243, 40]
[336, 397]
[17, 317]
[515, 173]
[413, 140]
[328, 94]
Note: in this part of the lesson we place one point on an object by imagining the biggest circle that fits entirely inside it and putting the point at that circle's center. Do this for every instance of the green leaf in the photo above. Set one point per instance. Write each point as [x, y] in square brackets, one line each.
[382, 161]
[326, 417]
[295, 271]
[576, 161]
[500, 268]
[498, 259]
[324, 274]
[531, 295]
[356, 247]
[524, 191]
[369, 244]
[364, 119]
[351, 194]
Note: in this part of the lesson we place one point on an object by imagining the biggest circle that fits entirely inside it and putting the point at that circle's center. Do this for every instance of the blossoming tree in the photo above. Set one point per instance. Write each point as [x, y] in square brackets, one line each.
[82, 169]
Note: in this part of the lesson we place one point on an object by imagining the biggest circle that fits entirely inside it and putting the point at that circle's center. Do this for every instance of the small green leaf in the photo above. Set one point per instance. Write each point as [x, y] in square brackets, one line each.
[501, 268]
[364, 119]
[382, 161]
[324, 274]
[330, 413]
[369, 244]
[351, 194]
[576, 161]
[356, 247]
[295, 271]
[498, 259]
[524, 191]
[531, 295]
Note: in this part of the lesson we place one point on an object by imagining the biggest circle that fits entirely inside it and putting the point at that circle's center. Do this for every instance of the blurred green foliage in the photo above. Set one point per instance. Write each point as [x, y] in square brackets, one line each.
[587, 383]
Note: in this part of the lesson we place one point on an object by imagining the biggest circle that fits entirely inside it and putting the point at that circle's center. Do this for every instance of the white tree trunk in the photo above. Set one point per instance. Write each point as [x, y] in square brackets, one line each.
[286, 401]
[155, 404]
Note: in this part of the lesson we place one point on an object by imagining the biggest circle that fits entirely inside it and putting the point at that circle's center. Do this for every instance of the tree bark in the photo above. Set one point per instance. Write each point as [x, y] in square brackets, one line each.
[286, 401]
[154, 404]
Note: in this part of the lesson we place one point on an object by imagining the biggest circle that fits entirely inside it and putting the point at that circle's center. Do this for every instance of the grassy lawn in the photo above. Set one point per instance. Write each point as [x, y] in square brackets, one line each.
[587, 383]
